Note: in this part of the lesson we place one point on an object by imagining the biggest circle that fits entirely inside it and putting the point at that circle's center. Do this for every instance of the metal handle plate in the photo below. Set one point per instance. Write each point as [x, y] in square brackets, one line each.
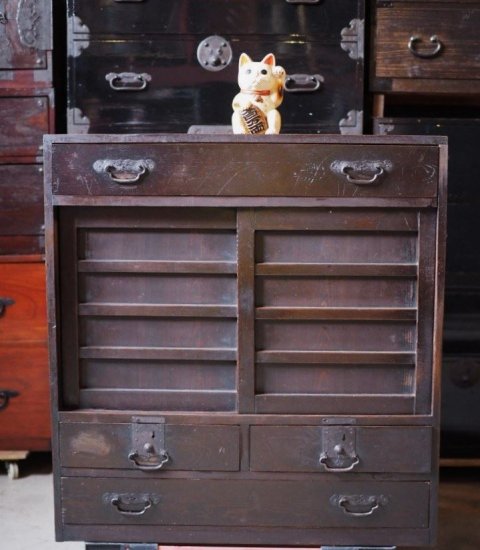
[325, 461]
[416, 40]
[358, 506]
[296, 83]
[359, 177]
[131, 505]
[4, 302]
[3, 18]
[151, 461]
[128, 82]
[303, 1]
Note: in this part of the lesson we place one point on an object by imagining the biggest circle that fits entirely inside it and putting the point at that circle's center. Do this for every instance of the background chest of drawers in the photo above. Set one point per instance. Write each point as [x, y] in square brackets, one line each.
[27, 107]
[136, 68]
[235, 361]
[426, 65]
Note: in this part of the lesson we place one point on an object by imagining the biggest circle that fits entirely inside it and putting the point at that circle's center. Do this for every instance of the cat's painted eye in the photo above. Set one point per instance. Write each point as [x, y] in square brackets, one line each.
[264, 71]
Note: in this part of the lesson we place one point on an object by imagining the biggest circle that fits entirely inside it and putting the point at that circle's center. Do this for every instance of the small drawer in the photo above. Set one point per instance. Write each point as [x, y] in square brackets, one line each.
[23, 317]
[24, 122]
[339, 449]
[320, 20]
[21, 197]
[433, 40]
[245, 503]
[173, 446]
[238, 167]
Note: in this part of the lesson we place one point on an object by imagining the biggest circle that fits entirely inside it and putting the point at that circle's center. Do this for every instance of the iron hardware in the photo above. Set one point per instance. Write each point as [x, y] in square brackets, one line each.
[214, 53]
[4, 302]
[359, 505]
[339, 454]
[295, 83]
[303, 1]
[358, 177]
[148, 444]
[434, 40]
[124, 171]
[128, 82]
[131, 505]
[5, 396]
[3, 18]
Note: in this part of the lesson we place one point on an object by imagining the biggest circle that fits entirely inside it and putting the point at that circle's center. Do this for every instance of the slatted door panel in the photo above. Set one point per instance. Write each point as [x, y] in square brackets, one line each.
[336, 311]
[156, 317]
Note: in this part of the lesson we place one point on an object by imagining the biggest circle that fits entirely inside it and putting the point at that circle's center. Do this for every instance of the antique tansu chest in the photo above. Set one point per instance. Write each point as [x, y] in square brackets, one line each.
[245, 338]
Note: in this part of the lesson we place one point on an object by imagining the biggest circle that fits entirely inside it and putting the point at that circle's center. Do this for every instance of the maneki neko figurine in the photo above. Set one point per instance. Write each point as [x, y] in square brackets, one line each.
[261, 92]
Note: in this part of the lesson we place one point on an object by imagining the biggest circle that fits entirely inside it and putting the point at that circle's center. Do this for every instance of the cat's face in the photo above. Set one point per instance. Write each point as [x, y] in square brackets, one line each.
[256, 75]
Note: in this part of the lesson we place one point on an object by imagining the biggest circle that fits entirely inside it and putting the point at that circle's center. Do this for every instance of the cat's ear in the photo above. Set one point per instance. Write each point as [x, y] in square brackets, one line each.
[269, 59]
[244, 58]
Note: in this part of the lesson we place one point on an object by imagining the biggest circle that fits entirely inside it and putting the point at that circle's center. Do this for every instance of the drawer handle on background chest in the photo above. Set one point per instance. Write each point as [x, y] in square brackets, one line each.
[128, 178]
[4, 302]
[434, 40]
[295, 83]
[128, 82]
[3, 18]
[358, 177]
[151, 461]
[131, 506]
[5, 396]
[358, 506]
[303, 1]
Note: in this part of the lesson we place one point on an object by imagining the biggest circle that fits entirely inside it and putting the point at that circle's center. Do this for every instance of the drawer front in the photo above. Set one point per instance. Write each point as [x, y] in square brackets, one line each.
[21, 197]
[185, 447]
[23, 315]
[25, 35]
[24, 121]
[275, 169]
[245, 503]
[24, 397]
[431, 40]
[339, 449]
[172, 90]
[324, 19]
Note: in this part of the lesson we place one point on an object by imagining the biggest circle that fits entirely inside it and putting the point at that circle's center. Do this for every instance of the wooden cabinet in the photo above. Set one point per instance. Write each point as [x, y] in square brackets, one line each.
[245, 347]
[135, 68]
[27, 107]
[426, 47]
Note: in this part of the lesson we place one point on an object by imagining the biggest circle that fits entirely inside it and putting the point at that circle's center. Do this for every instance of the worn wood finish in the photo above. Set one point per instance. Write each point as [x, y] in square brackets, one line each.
[454, 68]
[267, 329]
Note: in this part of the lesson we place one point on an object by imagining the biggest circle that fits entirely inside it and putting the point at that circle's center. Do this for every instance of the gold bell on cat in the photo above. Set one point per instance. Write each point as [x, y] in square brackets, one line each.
[261, 92]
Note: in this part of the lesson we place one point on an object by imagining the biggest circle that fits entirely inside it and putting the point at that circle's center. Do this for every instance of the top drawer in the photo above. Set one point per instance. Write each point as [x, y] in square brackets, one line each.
[241, 167]
[420, 41]
[319, 19]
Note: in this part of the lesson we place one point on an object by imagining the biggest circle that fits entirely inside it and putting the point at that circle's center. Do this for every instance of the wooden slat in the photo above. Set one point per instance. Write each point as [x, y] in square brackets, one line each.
[336, 313]
[246, 311]
[337, 270]
[336, 357]
[184, 354]
[134, 266]
[177, 400]
[334, 404]
[157, 310]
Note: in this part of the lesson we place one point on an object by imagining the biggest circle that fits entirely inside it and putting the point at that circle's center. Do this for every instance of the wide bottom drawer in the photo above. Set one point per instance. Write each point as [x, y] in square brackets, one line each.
[244, 503]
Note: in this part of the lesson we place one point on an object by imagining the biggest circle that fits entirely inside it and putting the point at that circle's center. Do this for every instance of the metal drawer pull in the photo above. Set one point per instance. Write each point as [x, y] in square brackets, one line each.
[3, 18]
[128, 178]
[5, 396]
[129, 1]
[415, 40]
[133, 506]
[4, 302]
[358, 177]
[128, 82]
[150, 461]
[359, 506]
[325, 459]
[295, 83]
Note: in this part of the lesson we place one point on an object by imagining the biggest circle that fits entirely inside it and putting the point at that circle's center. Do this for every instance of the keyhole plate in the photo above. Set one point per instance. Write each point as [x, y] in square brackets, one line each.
[214, 53]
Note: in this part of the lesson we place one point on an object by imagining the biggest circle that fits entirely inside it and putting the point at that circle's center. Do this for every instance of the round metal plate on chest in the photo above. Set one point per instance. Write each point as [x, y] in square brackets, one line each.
[214, 53]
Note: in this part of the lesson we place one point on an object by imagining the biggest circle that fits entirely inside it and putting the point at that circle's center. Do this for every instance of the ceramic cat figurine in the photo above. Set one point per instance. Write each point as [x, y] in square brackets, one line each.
[261, 92]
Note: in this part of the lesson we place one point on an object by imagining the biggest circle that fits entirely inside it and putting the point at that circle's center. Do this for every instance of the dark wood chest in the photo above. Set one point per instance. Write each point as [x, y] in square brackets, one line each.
[245, 338]
[135, 68]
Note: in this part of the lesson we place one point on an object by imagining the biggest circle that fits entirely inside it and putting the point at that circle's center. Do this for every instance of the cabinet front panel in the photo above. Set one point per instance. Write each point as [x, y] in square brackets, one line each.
[311, 449]
[188, 447]
[302, 170]
[323, 19]
[21, 197]
[245, 503]
[172, 90]
[24, 121]
[445, 40]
